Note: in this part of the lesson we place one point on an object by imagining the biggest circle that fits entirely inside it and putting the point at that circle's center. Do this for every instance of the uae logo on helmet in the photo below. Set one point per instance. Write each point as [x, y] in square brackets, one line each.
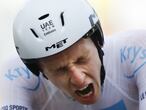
[47, 26]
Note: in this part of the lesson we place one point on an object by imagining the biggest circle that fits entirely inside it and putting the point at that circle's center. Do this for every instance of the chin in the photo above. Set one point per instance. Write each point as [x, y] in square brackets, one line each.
[88, 102]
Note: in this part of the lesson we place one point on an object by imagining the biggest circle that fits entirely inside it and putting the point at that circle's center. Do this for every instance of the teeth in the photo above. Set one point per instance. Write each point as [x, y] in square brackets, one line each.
[86, 94]
[83, 88]
[85, 91]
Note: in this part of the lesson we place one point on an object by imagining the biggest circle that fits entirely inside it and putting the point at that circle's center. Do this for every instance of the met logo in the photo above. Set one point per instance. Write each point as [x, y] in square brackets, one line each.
[57, 45]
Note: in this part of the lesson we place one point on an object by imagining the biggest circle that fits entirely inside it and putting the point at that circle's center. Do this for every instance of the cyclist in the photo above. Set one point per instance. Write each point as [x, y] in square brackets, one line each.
[62, 44]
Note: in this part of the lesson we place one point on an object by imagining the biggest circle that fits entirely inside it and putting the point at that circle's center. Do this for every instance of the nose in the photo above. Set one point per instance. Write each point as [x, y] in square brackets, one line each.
[77, 76]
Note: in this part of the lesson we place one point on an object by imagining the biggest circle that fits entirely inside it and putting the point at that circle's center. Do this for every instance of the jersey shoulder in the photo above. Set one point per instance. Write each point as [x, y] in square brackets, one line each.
[15, 74]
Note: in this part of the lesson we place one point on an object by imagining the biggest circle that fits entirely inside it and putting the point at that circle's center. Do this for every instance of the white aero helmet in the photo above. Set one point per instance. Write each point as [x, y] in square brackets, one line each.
[46, 27]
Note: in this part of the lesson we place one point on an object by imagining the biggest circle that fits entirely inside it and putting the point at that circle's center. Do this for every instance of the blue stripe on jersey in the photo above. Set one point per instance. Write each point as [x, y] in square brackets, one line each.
[118, 106]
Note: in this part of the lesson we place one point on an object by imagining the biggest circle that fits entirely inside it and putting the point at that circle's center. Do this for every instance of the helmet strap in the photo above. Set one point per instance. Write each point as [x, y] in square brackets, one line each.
[101, 54]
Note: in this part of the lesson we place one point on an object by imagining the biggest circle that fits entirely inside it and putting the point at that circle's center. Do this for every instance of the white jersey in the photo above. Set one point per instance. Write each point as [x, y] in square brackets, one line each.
[124, 86]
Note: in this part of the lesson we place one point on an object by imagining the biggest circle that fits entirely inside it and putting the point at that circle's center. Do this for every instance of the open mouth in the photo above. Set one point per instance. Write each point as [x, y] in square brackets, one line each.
[85, 91]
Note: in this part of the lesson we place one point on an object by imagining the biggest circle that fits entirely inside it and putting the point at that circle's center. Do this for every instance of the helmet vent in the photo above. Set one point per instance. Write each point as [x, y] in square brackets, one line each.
[62, 18]
[34, 33]
[43, 17]
[17, 49]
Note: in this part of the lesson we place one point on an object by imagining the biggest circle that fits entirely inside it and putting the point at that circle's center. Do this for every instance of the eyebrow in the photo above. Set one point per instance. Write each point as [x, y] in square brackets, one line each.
[86, 54]
[65, 65]
[61, 68]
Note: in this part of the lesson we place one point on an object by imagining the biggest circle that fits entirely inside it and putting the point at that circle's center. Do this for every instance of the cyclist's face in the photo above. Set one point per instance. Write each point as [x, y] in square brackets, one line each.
[76, 71]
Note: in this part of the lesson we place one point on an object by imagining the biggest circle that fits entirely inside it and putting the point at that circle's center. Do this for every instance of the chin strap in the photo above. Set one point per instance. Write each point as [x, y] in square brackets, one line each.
[101, 54]
[96, 35]
[102, 70]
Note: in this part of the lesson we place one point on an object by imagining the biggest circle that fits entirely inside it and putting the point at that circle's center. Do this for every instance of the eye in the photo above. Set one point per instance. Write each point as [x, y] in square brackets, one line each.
[61, 70]
[81, 60]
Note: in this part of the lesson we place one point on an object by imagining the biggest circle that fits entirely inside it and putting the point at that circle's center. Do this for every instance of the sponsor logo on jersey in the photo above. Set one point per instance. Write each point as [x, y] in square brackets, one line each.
[24, 75]
[13, 107]
[134, 57]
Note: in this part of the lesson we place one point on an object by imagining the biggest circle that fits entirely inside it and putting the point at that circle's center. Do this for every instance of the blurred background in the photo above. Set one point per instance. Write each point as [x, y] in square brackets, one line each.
[115, 16]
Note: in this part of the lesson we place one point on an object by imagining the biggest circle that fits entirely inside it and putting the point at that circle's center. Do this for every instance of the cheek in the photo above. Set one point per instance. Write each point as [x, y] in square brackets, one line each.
[95, 66]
